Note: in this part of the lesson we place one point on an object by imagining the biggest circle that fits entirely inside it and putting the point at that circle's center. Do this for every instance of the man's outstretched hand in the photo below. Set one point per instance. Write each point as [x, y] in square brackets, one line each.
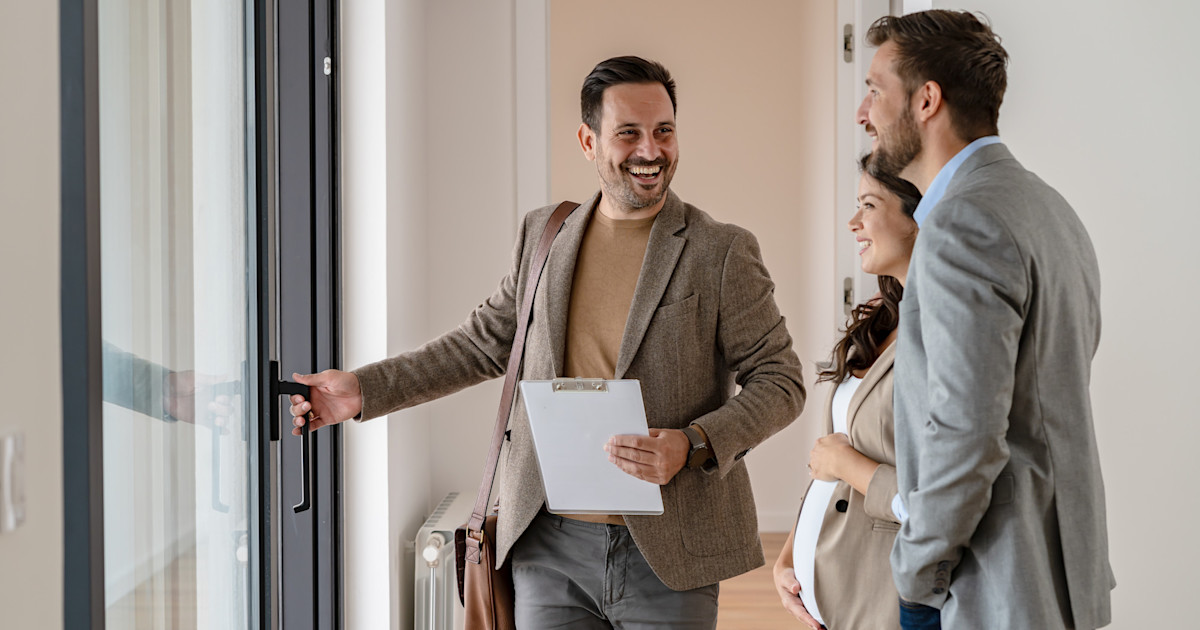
[335, 395]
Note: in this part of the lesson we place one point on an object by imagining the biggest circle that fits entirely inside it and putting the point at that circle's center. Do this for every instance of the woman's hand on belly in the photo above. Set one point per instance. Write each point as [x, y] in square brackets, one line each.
[834, 459]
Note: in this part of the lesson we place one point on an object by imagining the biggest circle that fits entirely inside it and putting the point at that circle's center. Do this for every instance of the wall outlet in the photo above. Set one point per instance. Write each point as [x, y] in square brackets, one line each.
[12, 482]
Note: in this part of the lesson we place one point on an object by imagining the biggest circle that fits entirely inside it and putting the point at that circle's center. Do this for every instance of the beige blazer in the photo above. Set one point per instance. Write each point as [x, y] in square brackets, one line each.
[853, 577]
[703, 319]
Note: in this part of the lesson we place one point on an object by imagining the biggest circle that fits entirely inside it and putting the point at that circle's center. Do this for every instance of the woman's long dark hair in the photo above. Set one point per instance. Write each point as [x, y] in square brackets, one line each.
[871, 322]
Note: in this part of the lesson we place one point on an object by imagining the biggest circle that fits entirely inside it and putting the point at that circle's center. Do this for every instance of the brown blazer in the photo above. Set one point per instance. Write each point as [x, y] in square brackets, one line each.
[852, 573]
[703, 319]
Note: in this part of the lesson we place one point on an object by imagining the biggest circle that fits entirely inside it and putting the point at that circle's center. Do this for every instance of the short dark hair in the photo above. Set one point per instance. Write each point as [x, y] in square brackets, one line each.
[959, 52]
[618, 71]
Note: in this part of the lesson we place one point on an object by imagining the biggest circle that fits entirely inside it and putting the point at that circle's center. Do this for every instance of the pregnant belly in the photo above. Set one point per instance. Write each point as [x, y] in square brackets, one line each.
[808, 529]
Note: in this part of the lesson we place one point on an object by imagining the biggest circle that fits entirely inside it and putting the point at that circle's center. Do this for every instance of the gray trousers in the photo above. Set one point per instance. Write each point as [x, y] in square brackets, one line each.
[572, 574]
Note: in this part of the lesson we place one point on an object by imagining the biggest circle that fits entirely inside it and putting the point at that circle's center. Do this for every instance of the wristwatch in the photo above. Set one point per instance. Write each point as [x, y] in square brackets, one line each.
[700, 455]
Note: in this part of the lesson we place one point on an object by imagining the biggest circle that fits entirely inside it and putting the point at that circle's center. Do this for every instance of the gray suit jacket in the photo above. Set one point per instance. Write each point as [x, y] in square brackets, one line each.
[996, 452]
[703, 319]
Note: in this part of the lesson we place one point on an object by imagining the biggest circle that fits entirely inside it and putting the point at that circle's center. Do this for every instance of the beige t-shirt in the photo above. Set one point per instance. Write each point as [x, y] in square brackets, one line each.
[606, 275]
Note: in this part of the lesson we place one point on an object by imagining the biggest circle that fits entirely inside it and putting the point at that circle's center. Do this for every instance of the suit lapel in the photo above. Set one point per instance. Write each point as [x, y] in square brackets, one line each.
[554, 290]
[658, 265]
[870, 379]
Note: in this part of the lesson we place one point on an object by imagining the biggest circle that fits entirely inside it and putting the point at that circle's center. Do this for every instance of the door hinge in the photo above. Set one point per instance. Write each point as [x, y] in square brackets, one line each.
[328, 66]
[848, 296]
[847, 44]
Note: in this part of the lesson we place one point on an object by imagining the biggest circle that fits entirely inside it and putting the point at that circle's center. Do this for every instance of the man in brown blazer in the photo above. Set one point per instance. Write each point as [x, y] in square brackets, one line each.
[638, 285]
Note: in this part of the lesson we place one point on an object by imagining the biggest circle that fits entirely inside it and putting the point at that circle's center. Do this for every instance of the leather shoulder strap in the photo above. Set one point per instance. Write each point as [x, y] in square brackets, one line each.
[553, 226]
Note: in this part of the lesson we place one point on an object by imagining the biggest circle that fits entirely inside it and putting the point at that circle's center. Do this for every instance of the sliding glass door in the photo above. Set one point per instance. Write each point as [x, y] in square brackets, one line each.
[178, 327]
[199, 255]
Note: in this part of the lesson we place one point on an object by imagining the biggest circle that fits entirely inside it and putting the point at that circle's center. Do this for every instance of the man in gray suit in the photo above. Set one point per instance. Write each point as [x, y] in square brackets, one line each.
[638, 285]
[997, 462]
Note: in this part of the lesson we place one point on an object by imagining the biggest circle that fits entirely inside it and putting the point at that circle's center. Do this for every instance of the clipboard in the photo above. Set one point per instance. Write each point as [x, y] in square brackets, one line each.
[571, 419]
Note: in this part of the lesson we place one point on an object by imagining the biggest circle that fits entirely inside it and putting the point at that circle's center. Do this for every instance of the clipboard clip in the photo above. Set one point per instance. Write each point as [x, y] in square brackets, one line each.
[579, 385]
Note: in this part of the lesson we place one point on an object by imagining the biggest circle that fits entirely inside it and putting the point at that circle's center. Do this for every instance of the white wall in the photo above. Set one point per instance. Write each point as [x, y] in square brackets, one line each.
[371, 588]
[31, 557]
[1101, 104]
[756, 135]
[383, 77]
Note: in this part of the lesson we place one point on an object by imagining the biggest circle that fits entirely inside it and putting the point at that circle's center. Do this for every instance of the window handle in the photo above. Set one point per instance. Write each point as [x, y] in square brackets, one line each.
[287, 388]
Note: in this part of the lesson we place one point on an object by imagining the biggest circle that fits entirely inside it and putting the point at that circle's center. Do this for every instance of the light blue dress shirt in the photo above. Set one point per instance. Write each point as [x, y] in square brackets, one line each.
[937, 190]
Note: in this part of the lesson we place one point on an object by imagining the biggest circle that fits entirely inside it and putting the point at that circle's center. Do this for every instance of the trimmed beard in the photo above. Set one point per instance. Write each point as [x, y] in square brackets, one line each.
[615, 186]
[898, 148]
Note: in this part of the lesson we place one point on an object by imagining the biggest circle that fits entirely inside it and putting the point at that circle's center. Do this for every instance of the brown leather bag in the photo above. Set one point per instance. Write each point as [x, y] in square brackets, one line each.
[485, 591]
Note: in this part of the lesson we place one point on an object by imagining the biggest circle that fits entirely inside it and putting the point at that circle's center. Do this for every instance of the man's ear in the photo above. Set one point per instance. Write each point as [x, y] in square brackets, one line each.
[587, 141]
[928, 101]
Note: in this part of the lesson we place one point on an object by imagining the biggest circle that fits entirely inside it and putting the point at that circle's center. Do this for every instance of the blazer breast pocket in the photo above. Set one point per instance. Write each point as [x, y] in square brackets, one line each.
[683, 307]
[674, 329]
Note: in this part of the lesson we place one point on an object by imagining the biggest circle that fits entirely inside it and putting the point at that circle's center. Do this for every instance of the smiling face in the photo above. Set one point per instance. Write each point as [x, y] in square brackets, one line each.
[634, 149]
[887, 114]
[884, 233]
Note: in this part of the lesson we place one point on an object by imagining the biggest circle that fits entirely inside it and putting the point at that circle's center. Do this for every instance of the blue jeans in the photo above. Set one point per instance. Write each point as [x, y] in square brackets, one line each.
[914, 616]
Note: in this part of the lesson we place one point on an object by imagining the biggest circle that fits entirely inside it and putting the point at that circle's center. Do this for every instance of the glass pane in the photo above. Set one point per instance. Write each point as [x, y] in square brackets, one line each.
[177, 319]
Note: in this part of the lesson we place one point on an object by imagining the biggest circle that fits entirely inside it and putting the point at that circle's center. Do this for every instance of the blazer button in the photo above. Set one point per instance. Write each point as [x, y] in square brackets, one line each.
[841, 505]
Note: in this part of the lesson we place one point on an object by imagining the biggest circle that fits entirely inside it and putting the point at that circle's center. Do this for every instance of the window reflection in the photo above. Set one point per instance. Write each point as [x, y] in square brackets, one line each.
[175, 313]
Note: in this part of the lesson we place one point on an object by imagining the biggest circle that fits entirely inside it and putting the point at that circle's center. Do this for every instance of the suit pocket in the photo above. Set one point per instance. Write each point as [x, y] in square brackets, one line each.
[676, 309]
[886, 527]
[671, 343]
[716, 516]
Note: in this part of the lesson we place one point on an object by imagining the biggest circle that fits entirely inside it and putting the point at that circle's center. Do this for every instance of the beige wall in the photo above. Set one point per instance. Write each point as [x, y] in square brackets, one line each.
[31, 557]
[471, 207]
[755, 87]
[1101, 105]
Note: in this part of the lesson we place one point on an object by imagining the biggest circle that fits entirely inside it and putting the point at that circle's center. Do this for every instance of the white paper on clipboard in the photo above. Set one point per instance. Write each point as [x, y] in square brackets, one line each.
[571, 420]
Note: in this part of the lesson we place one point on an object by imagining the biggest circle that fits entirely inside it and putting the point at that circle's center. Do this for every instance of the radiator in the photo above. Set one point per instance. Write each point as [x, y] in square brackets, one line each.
[435, 583]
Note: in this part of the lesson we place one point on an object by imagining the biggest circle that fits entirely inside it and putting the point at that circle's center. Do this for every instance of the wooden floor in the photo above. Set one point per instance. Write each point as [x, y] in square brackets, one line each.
[749, 602]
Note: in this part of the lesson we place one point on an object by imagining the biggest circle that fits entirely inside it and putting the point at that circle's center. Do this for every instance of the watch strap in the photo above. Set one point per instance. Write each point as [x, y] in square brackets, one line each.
[700, 453]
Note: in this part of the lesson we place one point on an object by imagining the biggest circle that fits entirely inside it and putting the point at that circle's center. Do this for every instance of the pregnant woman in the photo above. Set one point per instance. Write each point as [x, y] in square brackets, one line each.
[833, 571]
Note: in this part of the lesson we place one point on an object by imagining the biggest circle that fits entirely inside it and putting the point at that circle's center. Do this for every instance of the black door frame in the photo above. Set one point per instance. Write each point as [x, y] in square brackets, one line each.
[83, 445]
[308, 277]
